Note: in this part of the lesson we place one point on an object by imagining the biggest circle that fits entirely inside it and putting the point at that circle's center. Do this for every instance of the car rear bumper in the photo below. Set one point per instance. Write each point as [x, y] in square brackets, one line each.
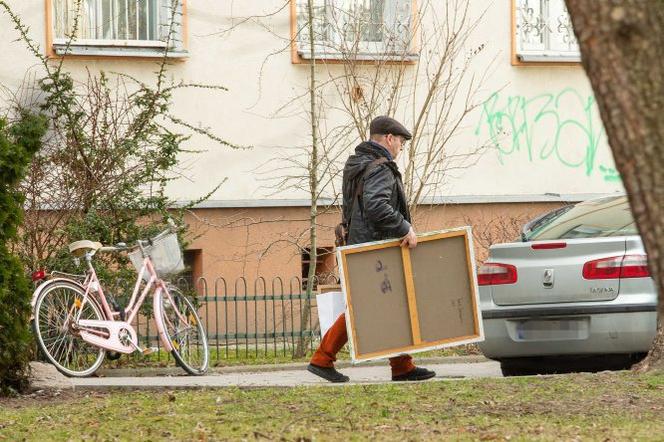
[568, 330]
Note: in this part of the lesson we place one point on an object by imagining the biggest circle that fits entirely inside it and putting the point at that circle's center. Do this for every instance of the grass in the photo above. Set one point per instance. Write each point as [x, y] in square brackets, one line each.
[605, 406]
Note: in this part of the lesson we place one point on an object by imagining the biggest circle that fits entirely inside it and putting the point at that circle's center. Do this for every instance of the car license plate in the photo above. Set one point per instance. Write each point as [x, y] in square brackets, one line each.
[552, 329]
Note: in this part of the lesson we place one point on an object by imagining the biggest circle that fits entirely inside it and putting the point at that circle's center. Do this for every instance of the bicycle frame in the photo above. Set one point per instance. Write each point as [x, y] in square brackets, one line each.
[114, 322]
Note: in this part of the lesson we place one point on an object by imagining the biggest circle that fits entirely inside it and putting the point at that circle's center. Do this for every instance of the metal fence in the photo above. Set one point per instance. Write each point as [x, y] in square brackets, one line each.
[247, 320]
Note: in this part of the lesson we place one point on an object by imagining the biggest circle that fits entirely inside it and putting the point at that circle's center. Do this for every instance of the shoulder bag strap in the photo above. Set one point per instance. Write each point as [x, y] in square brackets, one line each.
[360, 185]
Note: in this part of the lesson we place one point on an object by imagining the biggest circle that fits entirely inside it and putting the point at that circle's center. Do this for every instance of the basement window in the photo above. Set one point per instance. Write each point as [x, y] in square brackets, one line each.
[193, 268]
[325, 266]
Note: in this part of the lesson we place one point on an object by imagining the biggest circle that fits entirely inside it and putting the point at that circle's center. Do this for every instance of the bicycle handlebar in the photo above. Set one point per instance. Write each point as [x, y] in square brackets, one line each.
[116, 248]
[172, 228]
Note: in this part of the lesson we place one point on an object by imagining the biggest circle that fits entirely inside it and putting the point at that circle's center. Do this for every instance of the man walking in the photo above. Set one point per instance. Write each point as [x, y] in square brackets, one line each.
[374, 205]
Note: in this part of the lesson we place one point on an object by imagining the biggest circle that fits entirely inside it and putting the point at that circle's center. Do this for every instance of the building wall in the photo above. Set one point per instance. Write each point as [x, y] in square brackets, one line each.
[267, 242]
[540, 125]
[540, 121]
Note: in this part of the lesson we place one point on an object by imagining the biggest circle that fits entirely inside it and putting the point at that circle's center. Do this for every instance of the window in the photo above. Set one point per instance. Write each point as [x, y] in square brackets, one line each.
[591, 219]
[325, 266]
[356, 29]
[193, 266]
[543, 32]
[117, 27]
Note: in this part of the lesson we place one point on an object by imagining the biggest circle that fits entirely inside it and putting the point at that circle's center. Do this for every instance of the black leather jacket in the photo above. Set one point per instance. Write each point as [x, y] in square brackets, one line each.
[382, 211]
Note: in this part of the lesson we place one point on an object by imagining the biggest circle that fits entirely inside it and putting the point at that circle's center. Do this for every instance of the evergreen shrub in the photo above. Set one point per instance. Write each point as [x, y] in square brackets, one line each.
[19, 141]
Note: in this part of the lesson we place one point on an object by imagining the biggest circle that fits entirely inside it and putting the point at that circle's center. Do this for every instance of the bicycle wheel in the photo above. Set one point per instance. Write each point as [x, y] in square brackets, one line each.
[56, 335]
[184, 330]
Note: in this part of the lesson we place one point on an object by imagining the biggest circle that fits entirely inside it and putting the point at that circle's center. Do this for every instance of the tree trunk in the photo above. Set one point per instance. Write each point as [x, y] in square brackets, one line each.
[622, 48]
[303, 340]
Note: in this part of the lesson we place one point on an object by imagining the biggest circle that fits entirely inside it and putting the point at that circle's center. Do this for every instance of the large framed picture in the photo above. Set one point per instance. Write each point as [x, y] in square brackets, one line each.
[402, 300]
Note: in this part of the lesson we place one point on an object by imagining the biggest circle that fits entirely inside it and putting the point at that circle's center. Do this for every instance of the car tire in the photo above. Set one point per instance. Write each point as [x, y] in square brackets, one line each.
[568, 364]
[508, 370]
[518, 367]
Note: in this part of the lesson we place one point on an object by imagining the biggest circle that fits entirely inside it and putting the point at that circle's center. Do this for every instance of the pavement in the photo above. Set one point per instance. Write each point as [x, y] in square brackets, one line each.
[283, 375]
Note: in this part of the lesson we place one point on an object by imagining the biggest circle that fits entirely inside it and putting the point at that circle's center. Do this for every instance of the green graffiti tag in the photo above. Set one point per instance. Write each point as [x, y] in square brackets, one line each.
[561, 127]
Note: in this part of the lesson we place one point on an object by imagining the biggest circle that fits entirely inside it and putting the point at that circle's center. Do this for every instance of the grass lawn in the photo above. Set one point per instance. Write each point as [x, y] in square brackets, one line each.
[605, 406]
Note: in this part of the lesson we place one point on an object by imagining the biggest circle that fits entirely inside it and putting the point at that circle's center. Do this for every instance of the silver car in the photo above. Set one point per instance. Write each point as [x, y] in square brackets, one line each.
[574, 294]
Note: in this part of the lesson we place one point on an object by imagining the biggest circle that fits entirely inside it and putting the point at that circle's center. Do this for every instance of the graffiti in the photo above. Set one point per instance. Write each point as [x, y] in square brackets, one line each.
[559, 127]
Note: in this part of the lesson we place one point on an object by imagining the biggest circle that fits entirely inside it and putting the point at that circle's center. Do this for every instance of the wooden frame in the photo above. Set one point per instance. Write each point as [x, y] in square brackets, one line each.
[418, 343]
[297, 59]
[50, 53]
[514, 60]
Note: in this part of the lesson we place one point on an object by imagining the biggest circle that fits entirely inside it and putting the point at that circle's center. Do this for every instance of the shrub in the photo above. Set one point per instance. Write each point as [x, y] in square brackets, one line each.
[19, 141]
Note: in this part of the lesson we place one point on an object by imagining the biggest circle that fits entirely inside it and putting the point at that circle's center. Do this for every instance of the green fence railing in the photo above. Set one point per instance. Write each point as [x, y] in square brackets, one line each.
[244, 321]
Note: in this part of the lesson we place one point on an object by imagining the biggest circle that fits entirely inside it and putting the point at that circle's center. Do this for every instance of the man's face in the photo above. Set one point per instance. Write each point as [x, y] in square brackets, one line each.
[395, 143]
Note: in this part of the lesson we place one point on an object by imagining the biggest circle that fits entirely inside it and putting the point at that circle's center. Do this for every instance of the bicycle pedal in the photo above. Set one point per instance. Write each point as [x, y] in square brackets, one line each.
[149, 350]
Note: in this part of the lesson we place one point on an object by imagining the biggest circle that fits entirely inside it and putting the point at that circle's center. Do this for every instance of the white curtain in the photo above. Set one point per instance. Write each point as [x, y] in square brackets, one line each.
[114, 19]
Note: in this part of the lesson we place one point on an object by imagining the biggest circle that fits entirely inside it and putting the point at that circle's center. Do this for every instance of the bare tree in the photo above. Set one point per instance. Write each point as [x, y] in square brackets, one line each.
[363, 62]
[414, 66]
[111, 149]
[312, 168]
[622, 51]
[417, 67]
[494, 230]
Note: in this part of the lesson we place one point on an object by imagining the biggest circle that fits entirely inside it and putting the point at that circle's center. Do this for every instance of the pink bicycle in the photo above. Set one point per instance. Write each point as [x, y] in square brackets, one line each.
[75, 325]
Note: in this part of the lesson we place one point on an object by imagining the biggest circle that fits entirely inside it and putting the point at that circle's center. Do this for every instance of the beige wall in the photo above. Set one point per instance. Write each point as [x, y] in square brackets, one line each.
[541, 120]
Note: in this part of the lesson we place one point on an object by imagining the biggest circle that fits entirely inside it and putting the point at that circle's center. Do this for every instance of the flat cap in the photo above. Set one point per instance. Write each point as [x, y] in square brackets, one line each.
[384, 125]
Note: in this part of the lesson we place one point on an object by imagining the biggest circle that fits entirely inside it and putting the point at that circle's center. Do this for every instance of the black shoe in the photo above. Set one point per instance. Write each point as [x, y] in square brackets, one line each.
[416, 374]
[329, 374]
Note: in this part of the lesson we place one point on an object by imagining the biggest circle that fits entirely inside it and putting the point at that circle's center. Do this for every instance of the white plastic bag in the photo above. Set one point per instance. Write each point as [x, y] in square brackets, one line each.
[330, 306]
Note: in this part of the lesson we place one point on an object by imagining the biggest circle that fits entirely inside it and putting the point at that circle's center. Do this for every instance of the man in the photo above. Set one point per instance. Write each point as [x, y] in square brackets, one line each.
[379, 212]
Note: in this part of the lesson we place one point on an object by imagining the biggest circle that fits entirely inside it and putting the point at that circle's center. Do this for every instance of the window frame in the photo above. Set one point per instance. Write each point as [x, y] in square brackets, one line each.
[532, 58]
[113, 48]
[299, 56]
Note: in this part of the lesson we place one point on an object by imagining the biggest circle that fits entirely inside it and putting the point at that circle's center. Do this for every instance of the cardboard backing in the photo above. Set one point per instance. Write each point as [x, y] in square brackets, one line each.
[403, 300]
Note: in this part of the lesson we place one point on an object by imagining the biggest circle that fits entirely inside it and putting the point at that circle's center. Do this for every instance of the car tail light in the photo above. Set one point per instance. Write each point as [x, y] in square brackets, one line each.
[38, 275]
[496, 274]
[548, 245]
[635, 266]
[616, 267]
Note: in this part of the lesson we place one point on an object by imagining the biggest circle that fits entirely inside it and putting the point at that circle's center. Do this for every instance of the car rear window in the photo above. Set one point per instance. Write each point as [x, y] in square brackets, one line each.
[590, 219]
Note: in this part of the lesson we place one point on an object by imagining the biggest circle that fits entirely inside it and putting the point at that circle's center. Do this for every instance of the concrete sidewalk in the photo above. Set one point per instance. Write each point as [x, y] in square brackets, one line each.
[291, 375]
[341, 364]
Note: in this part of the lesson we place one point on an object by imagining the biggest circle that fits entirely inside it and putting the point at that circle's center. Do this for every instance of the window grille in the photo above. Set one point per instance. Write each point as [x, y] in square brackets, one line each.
[356, 29]
[544, 32]
[127, 24]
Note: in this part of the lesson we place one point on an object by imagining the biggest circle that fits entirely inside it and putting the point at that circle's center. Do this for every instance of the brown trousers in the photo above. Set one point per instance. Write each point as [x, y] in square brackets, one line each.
[336, 337]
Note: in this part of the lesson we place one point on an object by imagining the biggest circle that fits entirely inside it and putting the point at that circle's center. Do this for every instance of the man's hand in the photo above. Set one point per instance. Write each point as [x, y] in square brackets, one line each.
[410, 239]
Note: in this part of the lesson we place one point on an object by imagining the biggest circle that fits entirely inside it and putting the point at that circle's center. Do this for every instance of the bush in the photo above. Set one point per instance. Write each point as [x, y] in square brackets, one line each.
[18, 143]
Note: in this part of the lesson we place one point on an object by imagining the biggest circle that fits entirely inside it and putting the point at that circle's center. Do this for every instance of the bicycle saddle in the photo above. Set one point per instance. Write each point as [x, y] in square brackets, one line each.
[79, 248]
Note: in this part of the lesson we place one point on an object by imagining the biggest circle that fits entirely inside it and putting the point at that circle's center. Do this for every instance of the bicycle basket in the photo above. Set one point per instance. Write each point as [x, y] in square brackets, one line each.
[165, 254]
